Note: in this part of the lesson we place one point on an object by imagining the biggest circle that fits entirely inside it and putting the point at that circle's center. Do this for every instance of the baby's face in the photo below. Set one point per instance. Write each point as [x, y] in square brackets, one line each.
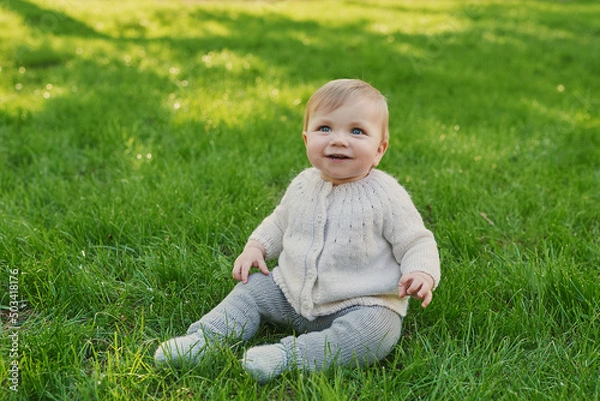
[346, 143]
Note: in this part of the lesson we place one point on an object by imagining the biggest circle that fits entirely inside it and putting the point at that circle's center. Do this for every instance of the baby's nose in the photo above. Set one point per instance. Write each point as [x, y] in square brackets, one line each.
[338, 138]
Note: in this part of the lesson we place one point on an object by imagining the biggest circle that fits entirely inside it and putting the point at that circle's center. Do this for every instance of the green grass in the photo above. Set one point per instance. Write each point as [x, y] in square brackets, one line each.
[141, 142]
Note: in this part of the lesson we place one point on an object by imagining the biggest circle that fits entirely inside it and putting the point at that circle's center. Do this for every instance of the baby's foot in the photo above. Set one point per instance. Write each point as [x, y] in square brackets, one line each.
[265, 362]
[179, 351]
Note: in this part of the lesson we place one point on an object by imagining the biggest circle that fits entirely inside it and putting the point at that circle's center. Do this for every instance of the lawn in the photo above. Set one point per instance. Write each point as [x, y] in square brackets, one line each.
[142, 141]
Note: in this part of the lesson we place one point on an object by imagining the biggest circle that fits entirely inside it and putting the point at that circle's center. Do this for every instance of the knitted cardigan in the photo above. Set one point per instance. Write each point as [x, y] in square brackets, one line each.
[346, 245]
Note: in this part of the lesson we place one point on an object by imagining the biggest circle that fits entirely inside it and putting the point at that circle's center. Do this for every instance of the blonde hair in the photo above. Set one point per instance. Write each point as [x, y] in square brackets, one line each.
[337, 92]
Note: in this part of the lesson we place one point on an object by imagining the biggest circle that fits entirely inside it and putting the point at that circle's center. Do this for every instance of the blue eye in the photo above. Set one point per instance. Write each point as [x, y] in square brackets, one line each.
[324, 128]
[357, 131]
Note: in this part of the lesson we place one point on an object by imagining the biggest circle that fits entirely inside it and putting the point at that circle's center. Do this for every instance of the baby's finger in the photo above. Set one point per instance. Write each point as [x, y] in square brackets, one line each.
[236, 272]
[245, 272]
[405, 280]
[414, 287]
[427, 299]
[402, 288]
[262, 266]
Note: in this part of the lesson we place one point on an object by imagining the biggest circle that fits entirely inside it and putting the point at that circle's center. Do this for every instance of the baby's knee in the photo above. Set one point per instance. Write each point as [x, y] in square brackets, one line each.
[256, 280]
[375, 332]
[386, 326]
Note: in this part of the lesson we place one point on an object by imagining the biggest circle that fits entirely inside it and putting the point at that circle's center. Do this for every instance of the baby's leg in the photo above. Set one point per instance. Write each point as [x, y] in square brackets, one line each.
[237, 317]
[363, 335]
[360, 335]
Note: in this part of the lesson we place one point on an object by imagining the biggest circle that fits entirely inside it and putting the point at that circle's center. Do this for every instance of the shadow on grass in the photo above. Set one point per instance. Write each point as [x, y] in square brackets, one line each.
[310, 52]
[486, 67]
[50, 21]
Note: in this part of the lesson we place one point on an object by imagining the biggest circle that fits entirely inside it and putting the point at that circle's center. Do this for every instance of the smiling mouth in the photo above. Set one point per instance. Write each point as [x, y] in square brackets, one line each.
[337, 157]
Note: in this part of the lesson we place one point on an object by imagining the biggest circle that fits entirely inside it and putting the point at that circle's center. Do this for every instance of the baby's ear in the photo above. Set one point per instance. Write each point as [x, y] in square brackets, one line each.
[380, 151]
[304, 137]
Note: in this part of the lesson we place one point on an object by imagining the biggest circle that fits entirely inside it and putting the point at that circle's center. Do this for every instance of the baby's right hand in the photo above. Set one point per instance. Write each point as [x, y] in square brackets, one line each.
[252, 256]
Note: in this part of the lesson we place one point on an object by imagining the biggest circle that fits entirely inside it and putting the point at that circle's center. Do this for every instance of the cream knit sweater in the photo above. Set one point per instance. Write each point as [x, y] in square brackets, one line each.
[346, 245]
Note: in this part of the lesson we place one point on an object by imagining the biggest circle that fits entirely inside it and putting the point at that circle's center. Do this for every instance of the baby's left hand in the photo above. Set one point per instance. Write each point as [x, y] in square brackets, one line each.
[417, 284]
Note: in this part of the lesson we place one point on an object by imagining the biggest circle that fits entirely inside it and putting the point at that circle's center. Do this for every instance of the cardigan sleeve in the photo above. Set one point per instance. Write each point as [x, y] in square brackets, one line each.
[270, 232]
[413, 245]
[272, 229]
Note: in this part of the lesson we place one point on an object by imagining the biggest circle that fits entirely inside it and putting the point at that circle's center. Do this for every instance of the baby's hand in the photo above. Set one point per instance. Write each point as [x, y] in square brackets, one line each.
[252, 256]
[417, 284]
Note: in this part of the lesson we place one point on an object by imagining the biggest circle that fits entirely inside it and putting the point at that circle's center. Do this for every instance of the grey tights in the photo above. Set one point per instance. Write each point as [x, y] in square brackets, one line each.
[358, 335]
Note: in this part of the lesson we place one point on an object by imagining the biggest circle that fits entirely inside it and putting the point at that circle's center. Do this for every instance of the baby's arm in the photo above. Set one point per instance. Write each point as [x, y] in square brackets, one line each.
[417, 284]
[252, 256]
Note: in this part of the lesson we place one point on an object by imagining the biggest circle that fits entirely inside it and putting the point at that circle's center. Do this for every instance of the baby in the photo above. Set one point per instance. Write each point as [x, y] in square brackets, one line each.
[351, 248]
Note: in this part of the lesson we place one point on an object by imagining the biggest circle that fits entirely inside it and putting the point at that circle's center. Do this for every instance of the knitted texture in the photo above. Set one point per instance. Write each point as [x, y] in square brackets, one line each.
[181, 351]
[358, 334]
[265, 362]
[346, 245]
